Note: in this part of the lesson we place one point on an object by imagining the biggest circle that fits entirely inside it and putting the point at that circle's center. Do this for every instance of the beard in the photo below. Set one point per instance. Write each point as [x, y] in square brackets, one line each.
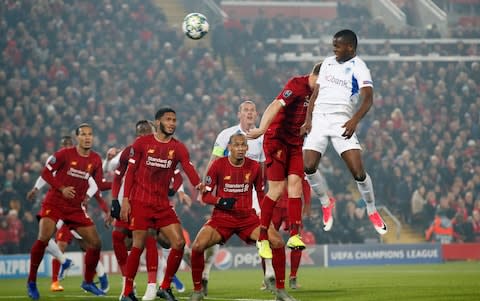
[164, 131]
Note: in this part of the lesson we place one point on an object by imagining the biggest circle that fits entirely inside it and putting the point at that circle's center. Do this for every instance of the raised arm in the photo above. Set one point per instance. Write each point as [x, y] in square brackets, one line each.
[270, 112]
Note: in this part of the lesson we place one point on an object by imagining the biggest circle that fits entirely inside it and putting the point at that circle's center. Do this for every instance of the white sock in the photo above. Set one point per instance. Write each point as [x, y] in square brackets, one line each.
[269, 272]
[100, 269]
[54, 250]
[366, 190]
[162, 264]
[123, 285]
[209, 257]
[319, 185]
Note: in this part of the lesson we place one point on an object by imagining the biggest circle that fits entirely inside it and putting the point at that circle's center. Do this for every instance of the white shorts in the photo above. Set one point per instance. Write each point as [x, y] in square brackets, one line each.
[329, 126]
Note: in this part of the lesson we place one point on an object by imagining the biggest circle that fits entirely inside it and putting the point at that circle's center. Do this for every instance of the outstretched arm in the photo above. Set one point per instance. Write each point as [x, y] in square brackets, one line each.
[270, 112]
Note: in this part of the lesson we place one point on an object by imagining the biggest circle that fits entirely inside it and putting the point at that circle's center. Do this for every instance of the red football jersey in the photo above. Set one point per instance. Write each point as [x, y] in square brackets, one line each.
[234, 182]
[151, 167]
[68, 168]
[287, 123]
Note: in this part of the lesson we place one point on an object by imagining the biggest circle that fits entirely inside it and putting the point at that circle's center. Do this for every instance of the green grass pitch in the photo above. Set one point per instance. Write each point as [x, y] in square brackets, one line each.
[449, 281]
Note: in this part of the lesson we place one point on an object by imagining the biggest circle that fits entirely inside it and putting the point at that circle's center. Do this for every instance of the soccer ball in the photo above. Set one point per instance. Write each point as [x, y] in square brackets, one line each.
[195, 26]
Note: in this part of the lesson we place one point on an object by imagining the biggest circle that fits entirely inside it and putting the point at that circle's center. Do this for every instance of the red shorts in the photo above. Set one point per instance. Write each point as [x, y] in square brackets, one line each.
[144, 216]
[72, 217]
[64, 234]
[282, 160]
[228, 224]
[279, 216]
[121, 224]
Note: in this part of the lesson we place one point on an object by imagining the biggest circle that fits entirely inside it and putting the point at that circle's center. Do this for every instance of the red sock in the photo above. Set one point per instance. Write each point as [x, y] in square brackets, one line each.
[36, 256]
[294, 215]
[307, 192]
[91, 260]
[278, 262]
[55, 269]
[266, 216]
[151, 258]
[295, 257]
[120, 250]
[198, 264]
[173, 262]
[133, 261]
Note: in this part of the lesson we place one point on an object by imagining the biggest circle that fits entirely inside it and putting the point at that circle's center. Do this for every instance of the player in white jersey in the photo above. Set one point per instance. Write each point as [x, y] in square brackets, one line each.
[344, 80]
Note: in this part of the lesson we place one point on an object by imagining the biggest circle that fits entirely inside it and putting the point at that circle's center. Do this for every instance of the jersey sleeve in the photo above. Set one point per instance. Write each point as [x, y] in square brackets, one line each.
[220, 145]
[177, 180]
[187, 165]
[120, 172]
[288, 94]
[363, 76]
[262, 157]
[210, 183]
[133, 163]
[97, 173]
[92, 187]
[53, 164]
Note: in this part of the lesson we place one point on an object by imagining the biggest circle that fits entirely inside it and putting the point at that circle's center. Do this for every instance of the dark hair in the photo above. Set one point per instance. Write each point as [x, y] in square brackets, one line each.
[142, 126]
[163, 111]
[348, 36]
[236, 134]
[82, 125]
[67, 139]
[316, 68]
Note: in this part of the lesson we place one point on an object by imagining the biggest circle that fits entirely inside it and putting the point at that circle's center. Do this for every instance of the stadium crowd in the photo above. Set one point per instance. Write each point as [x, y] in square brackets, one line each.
[111, 63]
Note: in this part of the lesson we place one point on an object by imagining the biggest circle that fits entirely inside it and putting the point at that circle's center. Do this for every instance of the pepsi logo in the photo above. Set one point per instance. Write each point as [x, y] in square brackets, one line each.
[223, 259]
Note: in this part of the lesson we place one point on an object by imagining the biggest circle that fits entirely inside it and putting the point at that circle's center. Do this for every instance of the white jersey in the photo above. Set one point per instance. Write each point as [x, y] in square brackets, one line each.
[255, 146]
[340, 85]
[111, 166]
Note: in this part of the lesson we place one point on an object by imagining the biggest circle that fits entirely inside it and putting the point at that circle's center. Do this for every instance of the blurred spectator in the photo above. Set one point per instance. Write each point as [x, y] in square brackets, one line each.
[7, 194]
[418, 203]
[353, 223]
[462, 229]
[15, 231]
[4, 241]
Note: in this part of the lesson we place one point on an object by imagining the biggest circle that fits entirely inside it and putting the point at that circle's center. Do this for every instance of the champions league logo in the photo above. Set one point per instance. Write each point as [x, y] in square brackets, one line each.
[223, 259]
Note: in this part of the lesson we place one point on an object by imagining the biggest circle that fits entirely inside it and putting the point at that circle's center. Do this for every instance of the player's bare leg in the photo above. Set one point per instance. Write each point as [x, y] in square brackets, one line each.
[46, 229]
[354, 163]
[206, 237]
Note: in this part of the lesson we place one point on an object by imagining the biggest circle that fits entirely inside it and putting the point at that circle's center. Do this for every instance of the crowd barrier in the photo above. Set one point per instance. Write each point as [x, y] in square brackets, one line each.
[17, 266]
